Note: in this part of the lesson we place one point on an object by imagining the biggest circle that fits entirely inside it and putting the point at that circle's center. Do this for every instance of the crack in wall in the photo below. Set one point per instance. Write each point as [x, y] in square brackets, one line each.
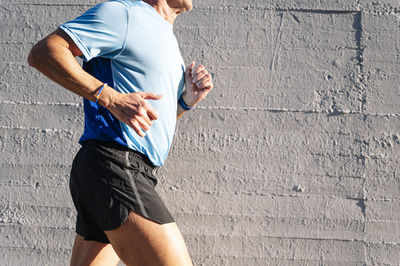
[360, 85]
[360, 78]
[316, 11]
[233, 108]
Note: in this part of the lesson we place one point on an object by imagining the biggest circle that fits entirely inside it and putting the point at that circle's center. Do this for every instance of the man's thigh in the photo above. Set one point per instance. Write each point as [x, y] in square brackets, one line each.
[140, 241]
[92, 253]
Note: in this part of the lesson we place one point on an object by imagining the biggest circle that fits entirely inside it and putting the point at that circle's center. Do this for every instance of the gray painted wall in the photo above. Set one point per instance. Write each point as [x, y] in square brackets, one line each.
[292, 160]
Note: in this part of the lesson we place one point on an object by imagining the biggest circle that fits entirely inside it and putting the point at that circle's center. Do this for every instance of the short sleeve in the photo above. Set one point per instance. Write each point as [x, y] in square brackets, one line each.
[101, 31]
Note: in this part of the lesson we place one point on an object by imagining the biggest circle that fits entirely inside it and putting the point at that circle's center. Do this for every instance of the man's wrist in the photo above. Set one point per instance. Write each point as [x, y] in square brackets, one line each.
[97, 96]
[106, 98]
[188, 100]
[183, 104]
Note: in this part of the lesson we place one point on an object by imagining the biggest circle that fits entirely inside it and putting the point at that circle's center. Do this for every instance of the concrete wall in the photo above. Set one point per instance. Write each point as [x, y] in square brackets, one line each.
[292, 160]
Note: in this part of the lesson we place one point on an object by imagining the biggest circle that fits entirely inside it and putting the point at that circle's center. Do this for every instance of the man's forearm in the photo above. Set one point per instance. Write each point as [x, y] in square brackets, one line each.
[54, 58]
[180, 112]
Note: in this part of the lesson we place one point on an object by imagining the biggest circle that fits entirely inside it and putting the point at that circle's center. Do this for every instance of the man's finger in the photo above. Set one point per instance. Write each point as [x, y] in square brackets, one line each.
[199, 76]
[189, 68]
[197, 70]
[151, 96]
[206, 85]
[200, 69]
[143, 115]
[144, 123]
[135, 125]
[205, 82]
[152, 113]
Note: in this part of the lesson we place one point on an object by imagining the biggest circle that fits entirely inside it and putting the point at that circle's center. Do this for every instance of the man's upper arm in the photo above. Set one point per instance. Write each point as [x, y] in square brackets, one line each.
[63, 39]
[50, 46]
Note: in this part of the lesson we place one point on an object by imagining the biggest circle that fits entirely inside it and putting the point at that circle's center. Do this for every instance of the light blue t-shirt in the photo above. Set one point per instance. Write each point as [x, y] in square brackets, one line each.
[129, 46]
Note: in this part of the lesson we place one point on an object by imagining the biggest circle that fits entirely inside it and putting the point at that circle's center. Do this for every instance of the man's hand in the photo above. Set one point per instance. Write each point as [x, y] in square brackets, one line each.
[198, 83]
[132, 109]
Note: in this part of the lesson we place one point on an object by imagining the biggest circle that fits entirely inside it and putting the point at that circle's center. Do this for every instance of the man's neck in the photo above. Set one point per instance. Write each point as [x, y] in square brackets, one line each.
[165, 11]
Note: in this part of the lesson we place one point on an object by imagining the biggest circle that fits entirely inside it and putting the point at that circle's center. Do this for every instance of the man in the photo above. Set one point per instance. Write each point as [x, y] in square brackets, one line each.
[132, 83]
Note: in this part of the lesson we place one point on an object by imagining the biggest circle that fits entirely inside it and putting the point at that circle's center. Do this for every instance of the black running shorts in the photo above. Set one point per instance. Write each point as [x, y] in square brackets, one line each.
[107, 182]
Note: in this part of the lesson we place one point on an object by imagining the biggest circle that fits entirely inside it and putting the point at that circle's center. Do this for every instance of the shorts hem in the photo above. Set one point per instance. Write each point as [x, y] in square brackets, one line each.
[133, 208]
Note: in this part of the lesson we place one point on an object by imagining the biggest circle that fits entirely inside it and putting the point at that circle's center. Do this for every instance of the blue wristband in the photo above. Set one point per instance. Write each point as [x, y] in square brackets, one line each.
[184, 105]
[98, 93]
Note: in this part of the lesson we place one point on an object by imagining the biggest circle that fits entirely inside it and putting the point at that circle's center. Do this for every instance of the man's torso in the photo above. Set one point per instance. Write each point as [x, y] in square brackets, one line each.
[146, 59]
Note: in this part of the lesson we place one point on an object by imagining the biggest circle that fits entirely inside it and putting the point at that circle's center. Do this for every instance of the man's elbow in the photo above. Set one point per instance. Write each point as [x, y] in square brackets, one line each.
[32, 57]
[38, 53]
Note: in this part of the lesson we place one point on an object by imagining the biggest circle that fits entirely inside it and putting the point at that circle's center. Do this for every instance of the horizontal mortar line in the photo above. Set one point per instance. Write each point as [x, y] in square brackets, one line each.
[42, 103]
[284, 110]
[377, 14]
[43, 181]
[304, 261]
[35, 249]
[244, 193]
[384, 242]
[303, 195]
[383, 199]
[254, 193]
[314, 48]
[13, 42]
[36, 226]
[47, 130]
[37, 206]
[328, 155]
[34, 165]
[284, 237]
[279, 9]
[231, 108]
[382, 221]
[320, 175]
[238, 67]
[181, 26]
[48, 4]
[20, 63]
[38, 177]
[13, 202]
[229, 31]
[40, 187]
[273, 110]
[254, 215]
[265, 217]
[262, 179]
[318, 11]
[267, 258]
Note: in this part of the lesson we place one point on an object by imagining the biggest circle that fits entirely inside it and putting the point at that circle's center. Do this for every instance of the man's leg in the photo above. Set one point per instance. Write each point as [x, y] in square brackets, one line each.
[140, 241]
[92, 253]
